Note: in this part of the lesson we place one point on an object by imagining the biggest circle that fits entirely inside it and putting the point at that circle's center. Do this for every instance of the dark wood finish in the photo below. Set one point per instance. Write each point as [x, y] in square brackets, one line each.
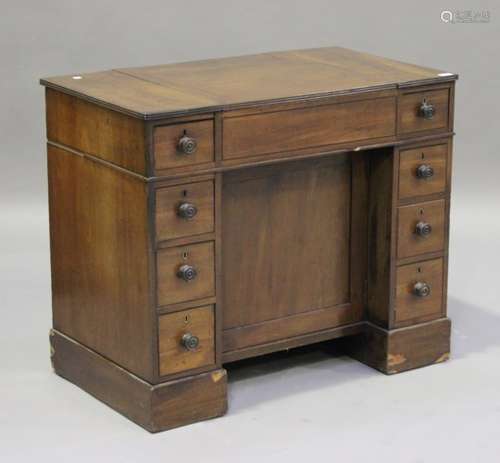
[126, 94]
[100, 292]
[185, 240]
[296, 129]
[212, 211]
[380, 236]
[358, 278]
[169, 225]
[174, 357]
[241, 81]
[171, 288]
[409, 242]
[402, 349]
[154, 407]
[409, 103]
[165, 144]
[410, 185]
[286, 240]
[295, 341]
[186, 305]
[188, 400]
[111, 136]
[219, 307]
[251, 335]
[409, 308]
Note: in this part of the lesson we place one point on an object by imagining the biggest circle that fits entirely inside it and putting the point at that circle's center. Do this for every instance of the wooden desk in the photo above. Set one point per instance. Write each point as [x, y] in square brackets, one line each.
[206, 212]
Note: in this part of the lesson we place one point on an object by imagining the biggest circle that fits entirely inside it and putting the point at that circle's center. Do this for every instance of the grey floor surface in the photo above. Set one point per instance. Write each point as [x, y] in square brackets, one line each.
[292, 408]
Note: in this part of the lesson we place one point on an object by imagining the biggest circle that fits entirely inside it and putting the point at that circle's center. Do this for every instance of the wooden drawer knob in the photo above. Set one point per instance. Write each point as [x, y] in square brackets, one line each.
[187, 145]
[190, 341]
[187, 272]
[421, 289]
[427, 110]
[425, 171]
[423, 229]
[187, 210]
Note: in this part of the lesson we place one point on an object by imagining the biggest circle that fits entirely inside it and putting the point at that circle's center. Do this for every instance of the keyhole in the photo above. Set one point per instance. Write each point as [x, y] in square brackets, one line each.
[421, 212]
[419, 269]
[185, 255]
[186, 319]
[423, 155]
[184, 193]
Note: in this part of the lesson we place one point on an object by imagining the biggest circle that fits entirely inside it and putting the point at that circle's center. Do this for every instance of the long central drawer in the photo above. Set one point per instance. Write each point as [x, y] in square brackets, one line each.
[247, 135]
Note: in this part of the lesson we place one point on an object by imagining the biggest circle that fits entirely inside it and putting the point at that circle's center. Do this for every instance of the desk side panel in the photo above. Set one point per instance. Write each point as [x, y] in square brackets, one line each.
[98, 131]
[99, 258]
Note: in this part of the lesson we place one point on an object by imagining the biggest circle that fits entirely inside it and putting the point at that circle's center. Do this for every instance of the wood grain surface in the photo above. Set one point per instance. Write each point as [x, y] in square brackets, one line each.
[401, 349]
[100, 259]
[158, 91]
[409, 242]
[310, 127]
[174, 357]
[166, 137]
[408, 307]
[409, 104]
[91, 129]
[154, 407]
[168, 223]
[434, 156]
[172, 289]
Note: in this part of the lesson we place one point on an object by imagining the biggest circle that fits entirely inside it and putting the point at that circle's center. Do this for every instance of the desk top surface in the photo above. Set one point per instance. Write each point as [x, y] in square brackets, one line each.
[154, 92]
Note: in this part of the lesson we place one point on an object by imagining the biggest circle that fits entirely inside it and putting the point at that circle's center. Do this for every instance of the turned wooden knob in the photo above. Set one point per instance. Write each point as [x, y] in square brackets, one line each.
[187, 210]
[187, 272]
[421, 289]
[190, 341]
[187, 145]
[423, 229]
[425, 171]
[427, 110]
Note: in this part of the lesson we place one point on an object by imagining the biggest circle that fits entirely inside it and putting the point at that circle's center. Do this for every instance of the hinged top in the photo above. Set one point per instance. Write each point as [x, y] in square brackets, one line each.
[157, 91]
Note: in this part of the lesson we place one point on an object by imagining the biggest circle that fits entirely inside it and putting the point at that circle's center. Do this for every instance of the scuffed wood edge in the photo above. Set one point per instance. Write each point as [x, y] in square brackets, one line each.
[154, 407]
[403, 349]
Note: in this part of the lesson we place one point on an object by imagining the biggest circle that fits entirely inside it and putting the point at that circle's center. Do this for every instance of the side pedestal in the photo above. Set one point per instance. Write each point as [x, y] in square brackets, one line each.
[154, 407]
[398, 350]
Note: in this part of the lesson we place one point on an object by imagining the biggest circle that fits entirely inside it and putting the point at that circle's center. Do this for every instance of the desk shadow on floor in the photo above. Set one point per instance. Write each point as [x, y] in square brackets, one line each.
[287, 373]
[323, 365]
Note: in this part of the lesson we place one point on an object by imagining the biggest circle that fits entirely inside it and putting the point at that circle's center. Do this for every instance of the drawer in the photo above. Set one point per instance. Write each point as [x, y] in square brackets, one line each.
[422, 171]
[184, 210]
[423, 110]
[186, 340]
[183, 144]
[185, 273]
[421, 228]
[419, 291]
[312, 127]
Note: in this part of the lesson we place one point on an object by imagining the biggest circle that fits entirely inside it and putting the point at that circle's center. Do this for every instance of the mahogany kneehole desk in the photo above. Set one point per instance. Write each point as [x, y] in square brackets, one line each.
[206, 212]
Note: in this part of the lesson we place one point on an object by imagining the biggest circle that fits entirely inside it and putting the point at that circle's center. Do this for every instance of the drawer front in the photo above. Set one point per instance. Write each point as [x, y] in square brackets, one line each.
[184, 210]
[185, 273]
[413, 117]
[422, 171]
[419, 291]
[414, 235]
[312, 127]
[183, 144]
[186, 340]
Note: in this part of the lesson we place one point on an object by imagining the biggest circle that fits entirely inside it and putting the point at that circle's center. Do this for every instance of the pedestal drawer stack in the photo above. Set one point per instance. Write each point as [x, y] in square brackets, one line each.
[184, 215]
[422, 233]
